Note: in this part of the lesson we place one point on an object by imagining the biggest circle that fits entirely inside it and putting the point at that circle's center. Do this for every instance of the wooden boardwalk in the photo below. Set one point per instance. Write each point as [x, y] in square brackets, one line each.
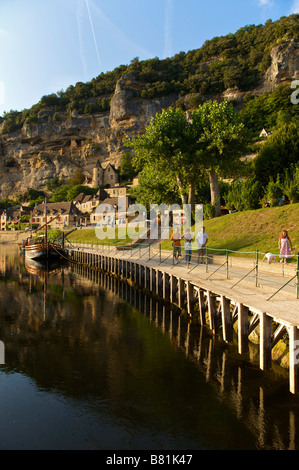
[219, 300]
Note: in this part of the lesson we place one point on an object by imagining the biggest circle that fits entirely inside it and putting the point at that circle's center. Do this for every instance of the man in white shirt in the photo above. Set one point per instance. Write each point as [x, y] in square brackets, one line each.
[202, 240]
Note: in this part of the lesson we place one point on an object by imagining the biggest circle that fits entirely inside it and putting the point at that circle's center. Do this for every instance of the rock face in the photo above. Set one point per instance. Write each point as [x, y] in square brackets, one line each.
[284, 66]
[58, 144]
[56, 147]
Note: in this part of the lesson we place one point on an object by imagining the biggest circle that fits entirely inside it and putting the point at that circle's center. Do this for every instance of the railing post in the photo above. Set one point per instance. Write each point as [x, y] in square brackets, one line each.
[206, 259]
[297, 276]
[256, 268]
[226, 263]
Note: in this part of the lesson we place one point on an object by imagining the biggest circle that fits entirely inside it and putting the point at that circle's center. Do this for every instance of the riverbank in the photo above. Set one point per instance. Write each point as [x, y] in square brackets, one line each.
[12, 237]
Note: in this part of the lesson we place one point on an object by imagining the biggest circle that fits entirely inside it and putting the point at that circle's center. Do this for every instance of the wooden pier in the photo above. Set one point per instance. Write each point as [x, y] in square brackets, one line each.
[219, 302]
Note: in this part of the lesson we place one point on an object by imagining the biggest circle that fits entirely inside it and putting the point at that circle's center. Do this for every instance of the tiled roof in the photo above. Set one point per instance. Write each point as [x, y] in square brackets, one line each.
[64, 207]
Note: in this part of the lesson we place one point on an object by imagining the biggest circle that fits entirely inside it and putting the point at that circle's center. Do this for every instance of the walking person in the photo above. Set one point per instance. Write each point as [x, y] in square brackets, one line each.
[176, 243]
[285, 246]
[202, 240]
[187, 245]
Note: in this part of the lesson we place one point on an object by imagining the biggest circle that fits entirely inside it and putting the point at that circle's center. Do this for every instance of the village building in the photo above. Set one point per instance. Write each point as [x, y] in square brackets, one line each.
[265, 133]
[116, 191]
[11, 217]
[59, 214]
[107, 176]
[112, 211]
[85, 203]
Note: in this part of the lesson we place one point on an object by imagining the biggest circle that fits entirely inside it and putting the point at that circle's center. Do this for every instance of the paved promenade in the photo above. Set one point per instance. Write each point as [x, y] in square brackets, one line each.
[238, 279]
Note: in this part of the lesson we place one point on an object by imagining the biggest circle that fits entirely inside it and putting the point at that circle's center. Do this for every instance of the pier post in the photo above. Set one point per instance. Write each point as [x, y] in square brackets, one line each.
[152, 273]
[242, 328]
[293, 358]
[147, 277]
[202, 307]
[212, 311]
[165, 286]
[180, 292]
[172, 288]
[227, 323]
[265, 341]
[190, 298]
[158, 281]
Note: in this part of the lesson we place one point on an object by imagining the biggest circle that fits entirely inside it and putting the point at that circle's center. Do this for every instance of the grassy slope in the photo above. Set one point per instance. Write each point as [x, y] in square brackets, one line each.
[242, 231]
[254, 230]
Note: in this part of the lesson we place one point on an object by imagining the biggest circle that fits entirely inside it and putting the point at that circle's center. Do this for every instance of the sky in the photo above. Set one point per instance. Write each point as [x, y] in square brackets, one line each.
[48, 45]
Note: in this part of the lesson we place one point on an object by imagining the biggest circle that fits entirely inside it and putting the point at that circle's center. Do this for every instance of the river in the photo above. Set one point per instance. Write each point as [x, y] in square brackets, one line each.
[90, 363]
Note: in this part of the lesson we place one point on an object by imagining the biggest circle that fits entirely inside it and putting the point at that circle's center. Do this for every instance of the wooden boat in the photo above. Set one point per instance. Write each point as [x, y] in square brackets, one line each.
[42, 248]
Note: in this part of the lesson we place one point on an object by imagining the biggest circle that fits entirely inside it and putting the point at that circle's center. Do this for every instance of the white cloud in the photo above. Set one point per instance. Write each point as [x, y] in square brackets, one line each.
[265, 3]
[295, 7]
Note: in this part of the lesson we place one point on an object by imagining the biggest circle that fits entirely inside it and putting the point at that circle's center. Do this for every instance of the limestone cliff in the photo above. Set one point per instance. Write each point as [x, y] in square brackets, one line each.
[284, 66]
[58, 143]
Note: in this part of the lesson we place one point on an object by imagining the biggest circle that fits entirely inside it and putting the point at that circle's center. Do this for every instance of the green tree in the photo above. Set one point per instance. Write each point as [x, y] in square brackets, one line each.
[78, 177]
[279, 152]
[74, 191]
[220, 140]
[127, 169]
[166, 147]
[60, 194]
[290, 184]
[210, 140]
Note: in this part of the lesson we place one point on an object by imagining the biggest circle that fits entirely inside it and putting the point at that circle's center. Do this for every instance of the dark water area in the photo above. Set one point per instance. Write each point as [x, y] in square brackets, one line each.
[91, 363]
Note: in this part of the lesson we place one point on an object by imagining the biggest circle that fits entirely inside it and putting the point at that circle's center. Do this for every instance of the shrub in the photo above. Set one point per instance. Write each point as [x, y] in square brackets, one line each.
[291, 184]
[273, 191]
[243, 195]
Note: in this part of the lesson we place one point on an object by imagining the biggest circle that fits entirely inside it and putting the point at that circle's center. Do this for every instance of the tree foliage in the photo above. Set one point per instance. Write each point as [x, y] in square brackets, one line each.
[183, 148]
[278, 153]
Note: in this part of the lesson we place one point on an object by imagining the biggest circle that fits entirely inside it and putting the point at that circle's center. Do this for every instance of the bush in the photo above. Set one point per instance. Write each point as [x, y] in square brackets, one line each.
[273, 191]
[243, 195]
[209, 211]
[291, 184]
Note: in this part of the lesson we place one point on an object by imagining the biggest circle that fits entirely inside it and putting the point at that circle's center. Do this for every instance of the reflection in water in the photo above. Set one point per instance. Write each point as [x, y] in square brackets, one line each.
[93, 363]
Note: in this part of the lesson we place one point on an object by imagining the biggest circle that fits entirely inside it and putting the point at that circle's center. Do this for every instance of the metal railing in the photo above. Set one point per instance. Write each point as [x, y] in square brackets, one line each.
[240, 265]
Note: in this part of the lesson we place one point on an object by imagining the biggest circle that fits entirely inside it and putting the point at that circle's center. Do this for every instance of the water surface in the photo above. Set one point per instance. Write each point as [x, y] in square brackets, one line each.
[91, 363]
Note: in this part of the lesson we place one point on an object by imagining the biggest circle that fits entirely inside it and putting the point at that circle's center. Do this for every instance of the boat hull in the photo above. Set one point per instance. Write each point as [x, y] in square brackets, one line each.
[43, 251]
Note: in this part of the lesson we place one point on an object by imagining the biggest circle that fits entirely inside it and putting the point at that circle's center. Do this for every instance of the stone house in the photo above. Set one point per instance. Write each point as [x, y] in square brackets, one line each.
[59, 214]
[115, 213]
[104, 176]
[86, 203]
[12, 216]
[116, 191]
